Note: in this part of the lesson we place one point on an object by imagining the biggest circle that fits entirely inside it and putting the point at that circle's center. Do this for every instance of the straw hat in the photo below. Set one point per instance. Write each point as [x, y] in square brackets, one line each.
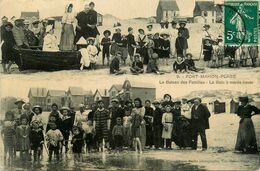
[19, 101]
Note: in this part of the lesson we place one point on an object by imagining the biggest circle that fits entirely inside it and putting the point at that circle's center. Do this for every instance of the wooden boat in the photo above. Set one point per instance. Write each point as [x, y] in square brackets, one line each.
[28, 59]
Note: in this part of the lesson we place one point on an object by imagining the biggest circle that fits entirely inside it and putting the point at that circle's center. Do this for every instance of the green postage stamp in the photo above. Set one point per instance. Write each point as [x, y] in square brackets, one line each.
[241, 22]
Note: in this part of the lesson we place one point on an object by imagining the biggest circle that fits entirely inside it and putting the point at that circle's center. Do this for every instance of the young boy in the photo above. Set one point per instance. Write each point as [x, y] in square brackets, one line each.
[117, 133]
[180, 65]
[54, 138]
[137, 65]
[152, 66]
[179, 44]
[106, 42]
[115, 65]
[77, 142]
[131, 43]
[157, 125]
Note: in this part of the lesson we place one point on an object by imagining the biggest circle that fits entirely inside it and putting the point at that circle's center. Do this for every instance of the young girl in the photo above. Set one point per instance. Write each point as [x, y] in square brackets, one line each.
[77, 143]
[207, 51]
[36, 140]
[106, 42]
[37, 110]
[22, 136]
[89, 55]
[167, 121]
[66, 126]
[180, 65]
[54, 138]
[166, 45]
[52, 119]
[127, 124]
[8, 135]
[136, 129]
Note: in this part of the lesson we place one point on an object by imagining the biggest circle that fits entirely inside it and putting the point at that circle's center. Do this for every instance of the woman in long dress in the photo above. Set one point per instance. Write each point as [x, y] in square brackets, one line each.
[246, 137]
[67, 33]
[138, 107]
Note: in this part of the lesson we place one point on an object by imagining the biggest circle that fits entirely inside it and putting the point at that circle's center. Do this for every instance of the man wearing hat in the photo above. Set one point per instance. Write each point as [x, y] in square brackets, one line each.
[32, 39]
[131, 42]
[115, 112]
[35, 27]
[2, 27]
[106, 42]
[200, 122]
[115, 64]
[18, 111]
[185, 34]
[19, 35]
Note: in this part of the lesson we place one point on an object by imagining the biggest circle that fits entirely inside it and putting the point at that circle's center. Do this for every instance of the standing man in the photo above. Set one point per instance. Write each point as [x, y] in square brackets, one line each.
[200, 122]
[185, 34]
[2, 27]
[148, 117]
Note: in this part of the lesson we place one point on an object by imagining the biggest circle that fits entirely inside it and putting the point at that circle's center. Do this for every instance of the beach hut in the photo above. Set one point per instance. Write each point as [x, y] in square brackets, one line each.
[219, 107]
[233, 106]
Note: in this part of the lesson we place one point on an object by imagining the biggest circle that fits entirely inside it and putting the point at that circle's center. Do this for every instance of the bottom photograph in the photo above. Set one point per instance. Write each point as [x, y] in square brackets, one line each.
[128, 125]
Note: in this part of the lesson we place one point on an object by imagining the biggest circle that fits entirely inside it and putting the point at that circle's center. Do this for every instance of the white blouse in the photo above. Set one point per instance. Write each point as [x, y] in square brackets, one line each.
[68, 18]
[50, 43]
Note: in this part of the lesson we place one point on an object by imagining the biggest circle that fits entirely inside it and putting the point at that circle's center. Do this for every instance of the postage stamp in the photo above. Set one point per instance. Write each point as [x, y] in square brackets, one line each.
[241, 22]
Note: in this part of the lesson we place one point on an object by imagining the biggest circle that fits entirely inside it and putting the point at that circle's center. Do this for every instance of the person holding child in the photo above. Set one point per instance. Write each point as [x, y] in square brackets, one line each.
[106, 43]
[137, 65]
[50, 42]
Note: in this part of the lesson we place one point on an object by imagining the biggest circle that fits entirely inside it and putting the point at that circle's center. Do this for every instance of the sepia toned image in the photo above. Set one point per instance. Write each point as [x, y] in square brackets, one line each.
[129, 85]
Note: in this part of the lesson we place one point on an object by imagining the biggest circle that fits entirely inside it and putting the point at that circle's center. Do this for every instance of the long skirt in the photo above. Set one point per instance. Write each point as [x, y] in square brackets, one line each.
[67, 38]
[246, 138]
[143, 135]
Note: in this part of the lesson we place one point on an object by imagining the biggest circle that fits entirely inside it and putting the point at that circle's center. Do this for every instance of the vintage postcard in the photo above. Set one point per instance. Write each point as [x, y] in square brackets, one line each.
[129, 85]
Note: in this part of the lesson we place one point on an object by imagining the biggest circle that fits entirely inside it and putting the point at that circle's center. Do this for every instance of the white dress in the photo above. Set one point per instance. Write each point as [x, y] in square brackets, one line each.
[167, 120]
[88, 55]
[83, 118]
[186, 111]
[173, 36]
[50, 43]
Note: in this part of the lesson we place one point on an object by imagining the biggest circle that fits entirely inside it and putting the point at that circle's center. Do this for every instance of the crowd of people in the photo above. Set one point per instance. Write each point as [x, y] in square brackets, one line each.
[124, 125]
[168, 43]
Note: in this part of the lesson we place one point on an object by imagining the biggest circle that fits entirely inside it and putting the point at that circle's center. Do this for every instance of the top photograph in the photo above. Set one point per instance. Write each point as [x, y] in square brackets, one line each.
[116, 37]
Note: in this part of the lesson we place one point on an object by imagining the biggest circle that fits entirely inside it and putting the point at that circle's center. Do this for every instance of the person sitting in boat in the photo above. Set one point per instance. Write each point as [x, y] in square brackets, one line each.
[19, 36]
[32, 39]
[50, 42]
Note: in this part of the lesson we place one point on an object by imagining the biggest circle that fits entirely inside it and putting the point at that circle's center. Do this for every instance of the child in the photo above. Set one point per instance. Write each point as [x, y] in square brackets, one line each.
[219, 51]
[142, 46]
[207, 51]
[89, 55]
[101, 125]
[89, 136]
[150, 45]
[8, 135]
[180, 65]
[36, 140]
[115, 65]
[52, 119]
[167, 121]
[54, 138]
[22, 136]
[190, 63]
[116, 39]
[106, 42]
[37, 110]
[117, 133]
[123, 49]
[166, 45]
[179, 44]
[137, 65]
[131, 43]
[136, 130]
[65, 126]
[152, 66]
[77, 142]
[157, 125]
[157, 44]
[50, 42]
[127, 127]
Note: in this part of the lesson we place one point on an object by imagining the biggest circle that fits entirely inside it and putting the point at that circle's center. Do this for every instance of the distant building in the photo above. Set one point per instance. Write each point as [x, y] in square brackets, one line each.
[88, 98]
[233, 106]
[132, 90]
[99, 19]
[219, 13]
[114, 90]
[219, 107]
[30, 15]
[37, 96]
[167, 10]
[102, 94]
[56, 96]
[204, 12]
[75, 97]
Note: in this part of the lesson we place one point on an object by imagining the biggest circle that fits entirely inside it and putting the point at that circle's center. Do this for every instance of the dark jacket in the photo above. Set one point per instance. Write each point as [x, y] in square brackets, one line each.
[157, 117]
[114, 66]
[200, 116]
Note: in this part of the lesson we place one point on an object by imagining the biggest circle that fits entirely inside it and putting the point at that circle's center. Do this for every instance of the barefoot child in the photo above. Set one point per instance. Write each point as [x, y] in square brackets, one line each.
[136, 132]
[36, 140]
[8, 135]
[77, 143]
[54, 138]
[106, 42]
[117, 133]
[66, 126]
[22, 136]
[137, 65]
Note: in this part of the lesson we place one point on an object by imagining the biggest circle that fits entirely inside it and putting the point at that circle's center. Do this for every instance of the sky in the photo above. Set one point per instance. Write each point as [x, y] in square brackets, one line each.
[123, 9]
